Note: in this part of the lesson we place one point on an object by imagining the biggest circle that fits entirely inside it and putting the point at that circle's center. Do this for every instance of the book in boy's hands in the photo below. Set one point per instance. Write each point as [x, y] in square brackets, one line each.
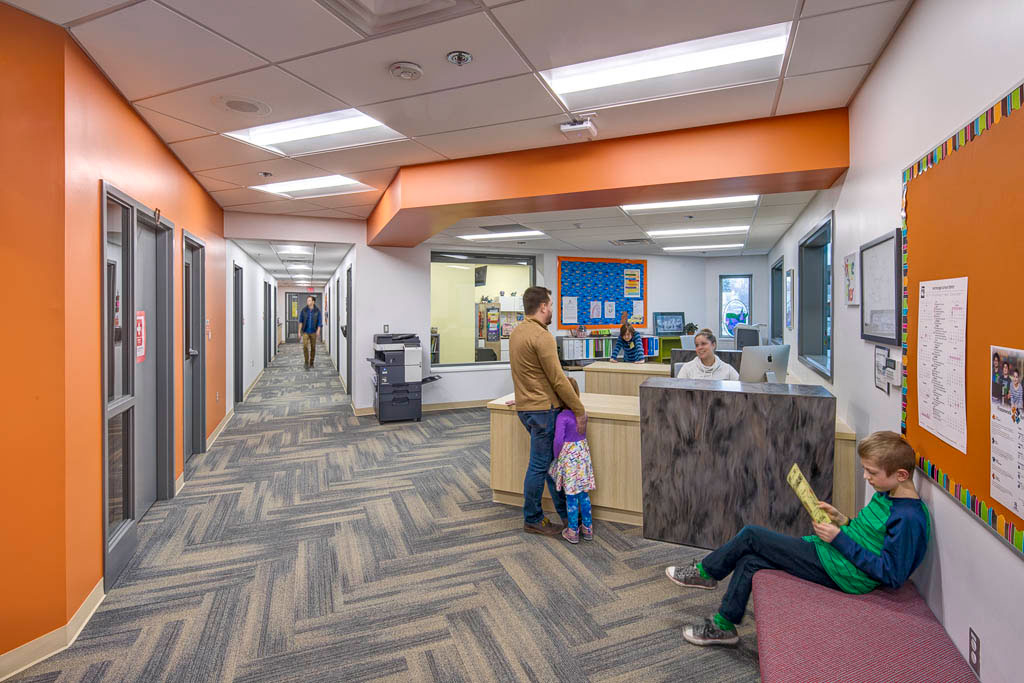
[806, 495]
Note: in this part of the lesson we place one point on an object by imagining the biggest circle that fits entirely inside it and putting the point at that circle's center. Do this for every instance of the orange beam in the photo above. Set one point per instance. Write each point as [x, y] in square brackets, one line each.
[763, 156]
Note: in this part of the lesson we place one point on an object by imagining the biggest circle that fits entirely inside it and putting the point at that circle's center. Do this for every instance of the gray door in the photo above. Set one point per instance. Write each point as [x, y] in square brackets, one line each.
[145, 368]
[239, 285]
[348, 329]
[193, 341]
[337, 322]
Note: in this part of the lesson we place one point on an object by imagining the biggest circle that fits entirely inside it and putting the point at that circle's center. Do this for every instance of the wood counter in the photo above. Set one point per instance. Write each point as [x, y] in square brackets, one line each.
[621, 379]
[613, 431]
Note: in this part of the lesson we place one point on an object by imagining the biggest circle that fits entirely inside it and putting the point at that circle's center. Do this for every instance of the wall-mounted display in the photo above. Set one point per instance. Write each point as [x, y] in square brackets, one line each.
[880, 289]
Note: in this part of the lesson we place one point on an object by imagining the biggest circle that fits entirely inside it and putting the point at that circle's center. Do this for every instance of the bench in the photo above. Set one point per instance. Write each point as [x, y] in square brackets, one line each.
[806, 632]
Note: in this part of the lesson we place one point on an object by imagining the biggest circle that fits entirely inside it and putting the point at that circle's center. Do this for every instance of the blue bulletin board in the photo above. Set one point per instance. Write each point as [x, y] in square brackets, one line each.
[589, 286]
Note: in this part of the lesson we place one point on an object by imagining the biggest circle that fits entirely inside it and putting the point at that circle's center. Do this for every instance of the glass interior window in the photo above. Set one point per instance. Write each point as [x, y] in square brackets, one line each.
[119, 334]
[118, 452]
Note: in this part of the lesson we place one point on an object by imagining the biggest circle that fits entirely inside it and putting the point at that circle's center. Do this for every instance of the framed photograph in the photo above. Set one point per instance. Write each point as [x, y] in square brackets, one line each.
[880, 289]
[790, 277]
[850, 280]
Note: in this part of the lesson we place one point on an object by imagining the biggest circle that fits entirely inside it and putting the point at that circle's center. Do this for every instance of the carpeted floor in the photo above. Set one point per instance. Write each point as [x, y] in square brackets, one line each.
[312, 545]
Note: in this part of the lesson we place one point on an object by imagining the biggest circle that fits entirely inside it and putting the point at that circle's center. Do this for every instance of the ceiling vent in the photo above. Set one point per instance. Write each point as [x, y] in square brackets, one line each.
[242, 105]
[635, 242]
[374, 17]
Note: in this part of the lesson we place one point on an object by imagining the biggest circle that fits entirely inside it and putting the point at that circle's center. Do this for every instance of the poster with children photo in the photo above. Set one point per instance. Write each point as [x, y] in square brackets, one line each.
[1007, 427]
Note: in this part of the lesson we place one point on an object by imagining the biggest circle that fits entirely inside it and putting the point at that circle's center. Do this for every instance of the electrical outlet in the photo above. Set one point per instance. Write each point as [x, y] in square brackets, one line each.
[385, 329]
[974, 652]
[218, 397]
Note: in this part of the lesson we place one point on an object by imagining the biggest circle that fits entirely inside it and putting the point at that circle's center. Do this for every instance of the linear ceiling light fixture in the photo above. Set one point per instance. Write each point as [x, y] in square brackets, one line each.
[718, 61]
[313, 187]
[747, 199]
[693, 232]
[704, 247]
[333, 130]
[504, 235]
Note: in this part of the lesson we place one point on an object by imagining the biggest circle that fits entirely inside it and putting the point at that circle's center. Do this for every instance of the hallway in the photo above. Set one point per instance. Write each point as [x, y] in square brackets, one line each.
[309, 544]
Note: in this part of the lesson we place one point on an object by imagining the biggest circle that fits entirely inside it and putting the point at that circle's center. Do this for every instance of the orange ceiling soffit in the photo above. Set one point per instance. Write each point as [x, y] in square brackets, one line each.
[762, 156]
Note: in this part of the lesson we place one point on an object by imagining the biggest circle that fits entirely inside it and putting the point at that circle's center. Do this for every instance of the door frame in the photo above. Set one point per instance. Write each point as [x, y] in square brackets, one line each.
[237, 331]
[267, 327]
[126, 538]
[188, 241]
[337, 322]
[350, 337]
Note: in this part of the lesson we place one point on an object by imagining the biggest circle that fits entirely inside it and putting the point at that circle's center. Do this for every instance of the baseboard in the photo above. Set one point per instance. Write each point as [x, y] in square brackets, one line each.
[434, 407]
[249, 390]
[220, 428]
[179, 483]
[362, 412]
[598, 511]
[45, 646]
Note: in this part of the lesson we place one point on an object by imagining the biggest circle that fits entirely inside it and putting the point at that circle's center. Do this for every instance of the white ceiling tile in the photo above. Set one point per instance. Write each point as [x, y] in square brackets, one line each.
[813, 7]
[134, 46]
[771, 224]
[824, 90]
[248, 174]
[510, 99]
[695, 216]
[287, 97]
[817, 46]
[214, 185]
[342, 201]
[171, 129]
[276, 207]
[568, 215]
[64, 11]
[788, 198]
[215, 151]
[361, 211]
[359, 73]
[504, 137]
[379, 179]
[367, 157]
[571, 31]
[687, 111]
[787, 211]
[584, 224]
[324, 213]
[271, 28]
[242, 195]
[661, 222]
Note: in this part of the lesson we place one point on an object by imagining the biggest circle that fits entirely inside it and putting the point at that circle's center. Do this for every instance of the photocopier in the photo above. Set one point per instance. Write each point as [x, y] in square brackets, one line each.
[398, 377]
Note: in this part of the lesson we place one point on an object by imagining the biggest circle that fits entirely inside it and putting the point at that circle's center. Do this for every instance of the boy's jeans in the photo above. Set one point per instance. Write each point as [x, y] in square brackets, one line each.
[541, 425]
[756, 548]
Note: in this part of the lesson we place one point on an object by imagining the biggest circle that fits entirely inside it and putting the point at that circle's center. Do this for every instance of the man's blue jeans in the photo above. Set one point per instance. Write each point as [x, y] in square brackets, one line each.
[541, 425]
[755, 548]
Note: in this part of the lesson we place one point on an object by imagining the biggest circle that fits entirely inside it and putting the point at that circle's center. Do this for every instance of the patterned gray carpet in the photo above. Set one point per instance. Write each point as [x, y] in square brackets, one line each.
[312, 545]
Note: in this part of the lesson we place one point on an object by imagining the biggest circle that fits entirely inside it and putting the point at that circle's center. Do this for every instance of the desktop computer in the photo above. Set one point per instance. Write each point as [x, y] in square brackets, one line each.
[764, 363]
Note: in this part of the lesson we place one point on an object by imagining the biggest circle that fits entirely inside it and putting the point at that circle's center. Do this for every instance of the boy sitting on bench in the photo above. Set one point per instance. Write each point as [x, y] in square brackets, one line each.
[883, 545]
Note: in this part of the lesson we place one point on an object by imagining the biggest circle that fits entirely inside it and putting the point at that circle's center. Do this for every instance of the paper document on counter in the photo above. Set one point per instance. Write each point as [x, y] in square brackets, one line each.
[806, 495]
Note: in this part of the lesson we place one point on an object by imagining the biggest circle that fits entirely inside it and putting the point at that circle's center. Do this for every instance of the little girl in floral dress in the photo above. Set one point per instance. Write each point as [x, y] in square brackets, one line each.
[574, 474]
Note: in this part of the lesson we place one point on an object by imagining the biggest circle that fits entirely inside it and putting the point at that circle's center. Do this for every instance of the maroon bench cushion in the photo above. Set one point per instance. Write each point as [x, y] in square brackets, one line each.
[806, 632]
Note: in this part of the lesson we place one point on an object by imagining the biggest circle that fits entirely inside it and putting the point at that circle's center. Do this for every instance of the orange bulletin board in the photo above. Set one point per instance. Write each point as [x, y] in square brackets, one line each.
[601, 282]
[964, 205]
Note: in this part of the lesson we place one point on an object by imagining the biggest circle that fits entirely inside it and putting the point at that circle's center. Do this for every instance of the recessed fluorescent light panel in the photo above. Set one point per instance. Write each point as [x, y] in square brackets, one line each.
[717, 202]
[749, 56]
[313, 187]
[704, 247]
[533, 234]
[697, 232]
[320, 133]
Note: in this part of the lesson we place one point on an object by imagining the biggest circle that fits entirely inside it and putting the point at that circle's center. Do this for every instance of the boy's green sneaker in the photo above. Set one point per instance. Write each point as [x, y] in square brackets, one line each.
[690, 577]
[708, 633]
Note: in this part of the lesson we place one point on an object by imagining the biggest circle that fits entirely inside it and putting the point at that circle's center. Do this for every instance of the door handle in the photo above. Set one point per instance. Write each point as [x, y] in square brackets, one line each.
[192, 353]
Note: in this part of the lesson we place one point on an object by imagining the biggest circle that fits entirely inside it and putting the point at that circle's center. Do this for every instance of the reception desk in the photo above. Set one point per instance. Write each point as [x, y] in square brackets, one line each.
[715, 457]
[621, 379]
[613, 431]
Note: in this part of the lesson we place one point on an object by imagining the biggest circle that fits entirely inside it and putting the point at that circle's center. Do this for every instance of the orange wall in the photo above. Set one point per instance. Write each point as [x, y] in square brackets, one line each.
[32, 596]
[106, 140]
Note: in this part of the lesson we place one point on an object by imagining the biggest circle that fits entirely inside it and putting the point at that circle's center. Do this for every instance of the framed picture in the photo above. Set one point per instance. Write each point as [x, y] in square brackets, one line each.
[851, 280]
[790, 277]
[880, 289]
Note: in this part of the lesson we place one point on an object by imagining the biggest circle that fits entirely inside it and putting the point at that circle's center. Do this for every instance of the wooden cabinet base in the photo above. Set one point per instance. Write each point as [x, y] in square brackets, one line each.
[597, 511]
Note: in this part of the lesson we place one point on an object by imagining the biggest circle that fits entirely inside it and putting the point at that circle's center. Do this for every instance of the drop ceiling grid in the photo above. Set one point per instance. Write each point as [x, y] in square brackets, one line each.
[518, 39]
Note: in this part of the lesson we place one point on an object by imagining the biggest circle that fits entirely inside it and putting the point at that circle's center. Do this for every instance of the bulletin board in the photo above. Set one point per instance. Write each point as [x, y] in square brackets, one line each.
[968, 192]
[601, 286]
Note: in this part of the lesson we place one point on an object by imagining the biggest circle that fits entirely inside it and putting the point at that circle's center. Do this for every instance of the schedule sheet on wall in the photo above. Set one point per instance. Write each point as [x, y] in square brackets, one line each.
[941, 360]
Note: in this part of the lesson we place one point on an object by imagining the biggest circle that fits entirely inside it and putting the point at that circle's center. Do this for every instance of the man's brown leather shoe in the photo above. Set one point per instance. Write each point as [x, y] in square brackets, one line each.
[544, 527]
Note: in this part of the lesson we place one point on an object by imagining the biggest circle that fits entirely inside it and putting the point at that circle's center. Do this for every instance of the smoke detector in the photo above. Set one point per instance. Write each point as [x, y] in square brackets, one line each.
[459, 57]
[242, 105]
[406, 71]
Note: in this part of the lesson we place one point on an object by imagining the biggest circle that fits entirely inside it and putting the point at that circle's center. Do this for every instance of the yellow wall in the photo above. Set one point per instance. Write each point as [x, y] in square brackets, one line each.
[453, 298]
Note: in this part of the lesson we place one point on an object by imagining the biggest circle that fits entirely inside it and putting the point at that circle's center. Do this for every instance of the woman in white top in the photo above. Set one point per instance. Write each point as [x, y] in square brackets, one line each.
[707, 365]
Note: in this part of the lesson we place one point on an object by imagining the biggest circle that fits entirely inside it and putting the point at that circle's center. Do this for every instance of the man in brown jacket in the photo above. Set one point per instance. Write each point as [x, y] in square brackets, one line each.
[542, 391]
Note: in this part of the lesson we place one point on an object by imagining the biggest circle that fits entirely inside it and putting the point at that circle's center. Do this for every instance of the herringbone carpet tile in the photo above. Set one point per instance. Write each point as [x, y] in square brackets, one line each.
[312, 545]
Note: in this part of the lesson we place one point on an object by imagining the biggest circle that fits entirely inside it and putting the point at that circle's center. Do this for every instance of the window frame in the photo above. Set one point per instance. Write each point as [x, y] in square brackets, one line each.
[750, 302]
[828, 268]
[482, 258]
[779, 299]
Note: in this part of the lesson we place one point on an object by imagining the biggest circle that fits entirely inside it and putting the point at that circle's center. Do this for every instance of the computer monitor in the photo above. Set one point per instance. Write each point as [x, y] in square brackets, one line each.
[764, 363]
[746, 335]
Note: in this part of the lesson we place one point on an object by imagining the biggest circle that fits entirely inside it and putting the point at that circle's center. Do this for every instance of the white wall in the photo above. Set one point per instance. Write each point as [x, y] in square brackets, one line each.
[253, 277]
[948, 62]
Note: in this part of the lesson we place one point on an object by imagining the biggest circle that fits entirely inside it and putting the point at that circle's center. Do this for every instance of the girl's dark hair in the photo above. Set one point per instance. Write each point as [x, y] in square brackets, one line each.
[707, 334]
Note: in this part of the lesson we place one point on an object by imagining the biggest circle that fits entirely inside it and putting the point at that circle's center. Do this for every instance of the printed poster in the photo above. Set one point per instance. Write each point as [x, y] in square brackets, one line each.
[140, 336]
[609, 309]
[595, 310]
[631, 283]
[638, 309]
[850, 276]
[1007, 427]
[570, 314]
[941, 360]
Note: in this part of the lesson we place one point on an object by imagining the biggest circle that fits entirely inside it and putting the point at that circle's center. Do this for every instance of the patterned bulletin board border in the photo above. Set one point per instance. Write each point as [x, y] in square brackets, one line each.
[602, 281]
[963, 137]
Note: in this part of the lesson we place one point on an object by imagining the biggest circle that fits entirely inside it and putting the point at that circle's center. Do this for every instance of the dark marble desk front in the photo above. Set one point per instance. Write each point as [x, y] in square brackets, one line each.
[715, 456]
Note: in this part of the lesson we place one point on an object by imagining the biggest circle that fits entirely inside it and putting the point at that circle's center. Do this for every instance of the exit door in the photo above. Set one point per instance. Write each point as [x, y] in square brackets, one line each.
[295, 302]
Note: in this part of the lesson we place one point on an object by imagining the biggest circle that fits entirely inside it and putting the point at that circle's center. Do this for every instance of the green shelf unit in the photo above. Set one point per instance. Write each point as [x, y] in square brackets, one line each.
[665, 348]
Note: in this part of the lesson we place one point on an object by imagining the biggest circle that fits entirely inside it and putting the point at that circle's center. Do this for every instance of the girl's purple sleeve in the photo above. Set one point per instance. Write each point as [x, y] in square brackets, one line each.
[560, 424]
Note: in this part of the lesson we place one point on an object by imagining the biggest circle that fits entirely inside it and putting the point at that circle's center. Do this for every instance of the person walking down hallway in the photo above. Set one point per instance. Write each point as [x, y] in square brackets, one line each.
[310, 324]
[542, 390]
